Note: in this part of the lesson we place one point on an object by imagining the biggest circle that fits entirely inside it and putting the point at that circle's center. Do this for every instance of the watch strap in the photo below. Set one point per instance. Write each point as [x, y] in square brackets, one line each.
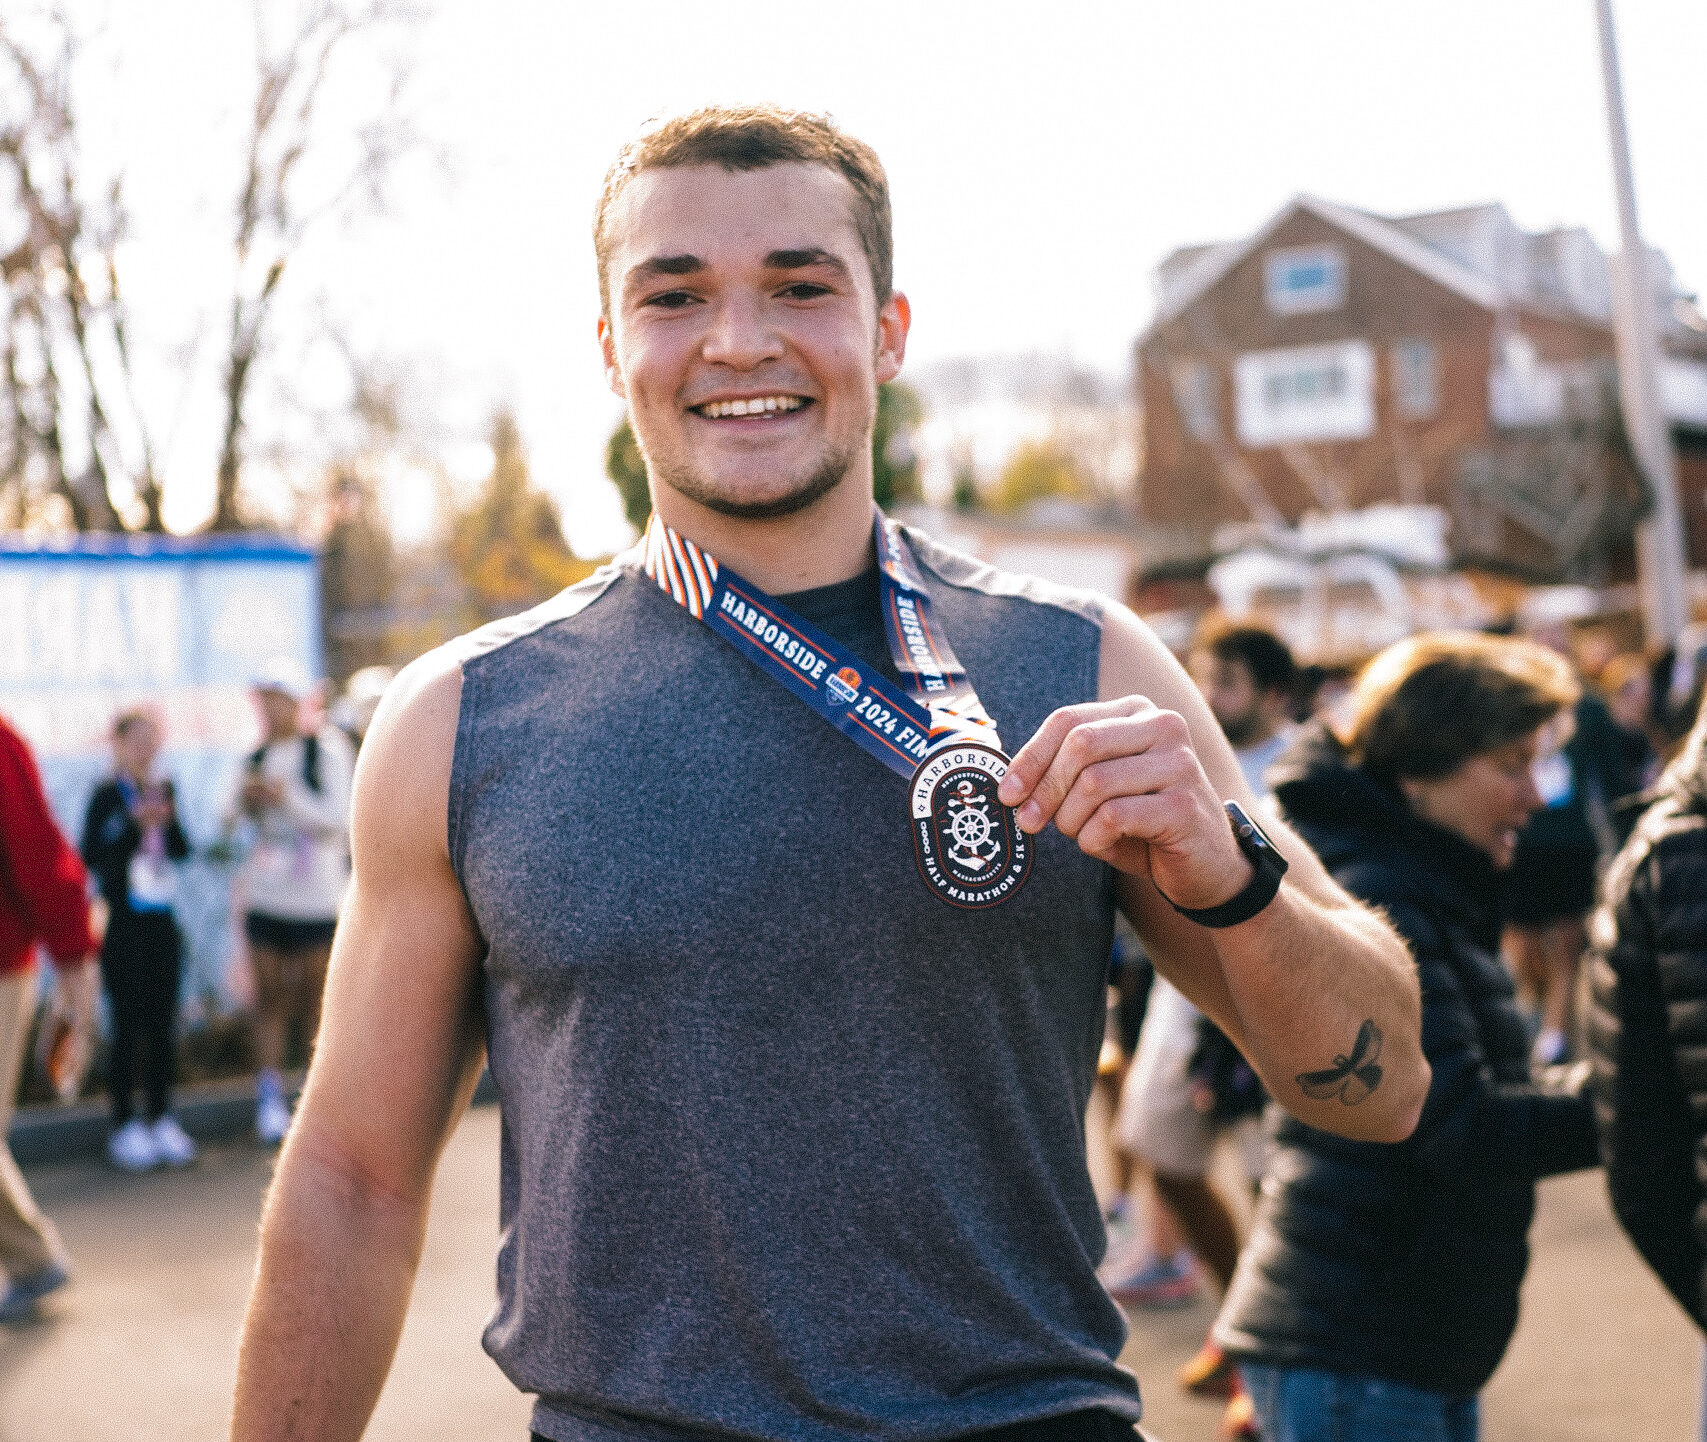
[1264, 885]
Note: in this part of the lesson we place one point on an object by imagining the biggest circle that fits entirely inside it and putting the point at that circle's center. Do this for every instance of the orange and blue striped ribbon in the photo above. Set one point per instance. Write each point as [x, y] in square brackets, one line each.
[899, 729]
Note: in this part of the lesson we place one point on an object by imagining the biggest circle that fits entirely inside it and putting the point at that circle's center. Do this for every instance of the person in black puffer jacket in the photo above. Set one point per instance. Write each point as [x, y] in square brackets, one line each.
[1380, 1285]
[1647, 1030]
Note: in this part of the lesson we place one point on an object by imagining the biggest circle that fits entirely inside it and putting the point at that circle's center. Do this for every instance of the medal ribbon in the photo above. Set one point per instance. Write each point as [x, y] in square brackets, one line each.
[899, 729]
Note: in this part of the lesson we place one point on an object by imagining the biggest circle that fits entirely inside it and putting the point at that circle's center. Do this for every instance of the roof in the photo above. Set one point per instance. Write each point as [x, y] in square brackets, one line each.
[1217, 261]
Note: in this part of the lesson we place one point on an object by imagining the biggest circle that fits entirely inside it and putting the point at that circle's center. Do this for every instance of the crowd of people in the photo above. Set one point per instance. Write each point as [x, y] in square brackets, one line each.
[1471, 787]
[1477, 790]
[104, 913]
[791, 1146]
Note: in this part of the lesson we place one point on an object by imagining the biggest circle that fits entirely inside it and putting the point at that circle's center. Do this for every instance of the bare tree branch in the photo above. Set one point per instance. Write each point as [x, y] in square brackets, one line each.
[272, 219]
[50, 305]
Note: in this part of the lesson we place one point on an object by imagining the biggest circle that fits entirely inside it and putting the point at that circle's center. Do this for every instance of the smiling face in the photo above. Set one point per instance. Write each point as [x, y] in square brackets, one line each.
[746, 336]
[1485, 800]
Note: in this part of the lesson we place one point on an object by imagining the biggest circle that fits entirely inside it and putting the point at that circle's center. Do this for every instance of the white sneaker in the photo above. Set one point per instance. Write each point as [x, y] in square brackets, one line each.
[172, 1143]
[132, 1147]
[272, 1120]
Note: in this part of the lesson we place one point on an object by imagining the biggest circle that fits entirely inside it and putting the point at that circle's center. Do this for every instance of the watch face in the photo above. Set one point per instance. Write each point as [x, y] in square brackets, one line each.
[1253, 840]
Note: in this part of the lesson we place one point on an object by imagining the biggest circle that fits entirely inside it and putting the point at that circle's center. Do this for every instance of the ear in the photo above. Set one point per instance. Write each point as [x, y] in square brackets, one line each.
[607, 348]
[894, 320]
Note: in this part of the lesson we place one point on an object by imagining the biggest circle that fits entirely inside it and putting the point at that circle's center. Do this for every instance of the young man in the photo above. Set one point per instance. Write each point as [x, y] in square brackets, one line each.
[295, 789]
[611, 850]
[1246, 674]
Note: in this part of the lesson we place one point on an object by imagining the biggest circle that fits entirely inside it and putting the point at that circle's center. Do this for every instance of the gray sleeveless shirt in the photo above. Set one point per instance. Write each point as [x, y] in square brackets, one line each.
[791, 1149]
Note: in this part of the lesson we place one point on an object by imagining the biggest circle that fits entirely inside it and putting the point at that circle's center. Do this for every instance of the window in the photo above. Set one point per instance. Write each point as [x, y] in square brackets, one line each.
[1304, 279]
[1416, 379]
[1523, 390]
[1305, 393]
[1194, 394]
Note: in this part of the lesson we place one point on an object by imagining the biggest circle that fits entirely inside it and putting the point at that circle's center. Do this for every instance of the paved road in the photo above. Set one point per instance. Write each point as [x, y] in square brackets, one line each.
[143, 1346]
[1602, 1353]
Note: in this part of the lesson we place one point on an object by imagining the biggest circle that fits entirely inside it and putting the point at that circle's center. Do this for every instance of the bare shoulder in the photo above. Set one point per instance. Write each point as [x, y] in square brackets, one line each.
[402, 787]
[425, 696]
[400, 1036]
[1135, 662]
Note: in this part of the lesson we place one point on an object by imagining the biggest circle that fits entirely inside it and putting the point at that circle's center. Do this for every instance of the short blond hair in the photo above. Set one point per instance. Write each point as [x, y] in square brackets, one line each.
[1426, 705]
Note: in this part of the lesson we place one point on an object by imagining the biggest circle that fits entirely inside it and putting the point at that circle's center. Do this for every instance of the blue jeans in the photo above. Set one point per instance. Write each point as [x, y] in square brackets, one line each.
[1301, 1404]
[1704, 1395]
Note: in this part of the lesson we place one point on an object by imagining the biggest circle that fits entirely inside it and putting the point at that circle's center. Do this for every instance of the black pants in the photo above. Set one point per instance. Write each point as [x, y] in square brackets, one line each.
[1090, 1425]
[140, 963]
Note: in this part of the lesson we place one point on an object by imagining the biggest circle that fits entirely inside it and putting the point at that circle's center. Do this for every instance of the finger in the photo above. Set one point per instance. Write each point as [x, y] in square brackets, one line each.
[1033, 759]
[1095, 741]
[1127, 775]
[1130, 818]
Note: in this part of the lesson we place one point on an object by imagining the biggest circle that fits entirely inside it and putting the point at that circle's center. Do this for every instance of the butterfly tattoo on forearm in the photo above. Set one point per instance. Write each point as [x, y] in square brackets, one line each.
[1350, 1078]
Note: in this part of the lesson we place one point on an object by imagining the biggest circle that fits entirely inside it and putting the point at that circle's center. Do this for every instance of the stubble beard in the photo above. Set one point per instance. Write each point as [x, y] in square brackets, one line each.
[824, 478]
[1244, 730]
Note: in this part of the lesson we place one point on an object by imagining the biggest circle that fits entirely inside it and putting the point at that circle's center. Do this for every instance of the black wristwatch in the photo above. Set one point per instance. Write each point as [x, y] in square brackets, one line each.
[1270, 867]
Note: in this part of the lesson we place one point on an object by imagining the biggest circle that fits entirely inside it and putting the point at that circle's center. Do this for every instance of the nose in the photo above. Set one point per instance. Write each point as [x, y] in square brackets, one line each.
[740, 336]
[1529, 797]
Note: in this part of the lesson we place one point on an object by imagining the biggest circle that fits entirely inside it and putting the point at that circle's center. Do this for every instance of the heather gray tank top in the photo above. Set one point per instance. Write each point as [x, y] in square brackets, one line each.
[791, 1149]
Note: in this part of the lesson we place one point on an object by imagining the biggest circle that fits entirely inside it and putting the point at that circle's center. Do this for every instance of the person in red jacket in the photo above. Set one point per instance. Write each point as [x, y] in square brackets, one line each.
[43, 899]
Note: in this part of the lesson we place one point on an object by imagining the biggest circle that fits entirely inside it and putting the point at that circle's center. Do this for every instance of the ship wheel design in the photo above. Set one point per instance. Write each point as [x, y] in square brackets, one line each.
[969, 826]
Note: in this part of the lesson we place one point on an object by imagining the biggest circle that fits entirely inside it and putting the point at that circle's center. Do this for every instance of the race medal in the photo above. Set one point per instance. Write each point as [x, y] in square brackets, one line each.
[968, 846]
[932, 729]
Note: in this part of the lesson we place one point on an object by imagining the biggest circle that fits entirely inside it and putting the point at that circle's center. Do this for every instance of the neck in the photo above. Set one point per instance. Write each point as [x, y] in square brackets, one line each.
[136, 774]
[827, 542]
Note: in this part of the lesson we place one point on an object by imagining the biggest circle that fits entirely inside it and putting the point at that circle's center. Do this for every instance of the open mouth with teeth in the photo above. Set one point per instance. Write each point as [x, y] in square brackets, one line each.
[751, 406]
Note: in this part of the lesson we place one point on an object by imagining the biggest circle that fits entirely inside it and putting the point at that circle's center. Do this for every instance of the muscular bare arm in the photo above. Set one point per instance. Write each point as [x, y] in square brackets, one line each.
[399, 1051]
[1313, 986]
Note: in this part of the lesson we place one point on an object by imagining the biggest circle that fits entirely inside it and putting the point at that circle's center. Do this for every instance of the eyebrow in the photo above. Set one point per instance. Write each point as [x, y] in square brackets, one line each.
[802, 258]
[659, 265]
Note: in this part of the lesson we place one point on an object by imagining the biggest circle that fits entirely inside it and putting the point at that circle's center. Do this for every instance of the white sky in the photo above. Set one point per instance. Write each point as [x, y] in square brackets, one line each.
[1042, 159]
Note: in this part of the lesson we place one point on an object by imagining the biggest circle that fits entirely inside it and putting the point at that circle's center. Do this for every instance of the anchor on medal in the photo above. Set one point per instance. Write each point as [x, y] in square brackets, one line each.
[967, 844]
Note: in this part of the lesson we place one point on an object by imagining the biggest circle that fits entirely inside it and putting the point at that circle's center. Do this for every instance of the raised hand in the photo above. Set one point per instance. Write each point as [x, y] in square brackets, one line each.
[1122, 778]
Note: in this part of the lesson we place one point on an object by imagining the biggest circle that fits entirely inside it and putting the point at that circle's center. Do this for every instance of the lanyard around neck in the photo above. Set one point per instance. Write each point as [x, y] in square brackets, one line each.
[936, 733]
[939, 705]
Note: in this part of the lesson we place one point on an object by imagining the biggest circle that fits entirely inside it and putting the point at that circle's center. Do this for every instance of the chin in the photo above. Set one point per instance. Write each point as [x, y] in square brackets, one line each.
[745, 500]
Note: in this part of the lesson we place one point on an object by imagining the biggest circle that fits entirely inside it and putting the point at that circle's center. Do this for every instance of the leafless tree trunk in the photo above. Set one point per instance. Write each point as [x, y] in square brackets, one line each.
[48, 306]
[271, 219]
[67, 365]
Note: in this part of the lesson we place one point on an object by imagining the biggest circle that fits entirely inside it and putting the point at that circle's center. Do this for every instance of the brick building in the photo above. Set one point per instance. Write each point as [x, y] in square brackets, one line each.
[1336, 360]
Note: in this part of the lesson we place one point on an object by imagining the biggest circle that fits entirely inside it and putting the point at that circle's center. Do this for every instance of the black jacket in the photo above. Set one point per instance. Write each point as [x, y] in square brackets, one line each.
[111, 838]
[1404, 1261]
[1648, 1031]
